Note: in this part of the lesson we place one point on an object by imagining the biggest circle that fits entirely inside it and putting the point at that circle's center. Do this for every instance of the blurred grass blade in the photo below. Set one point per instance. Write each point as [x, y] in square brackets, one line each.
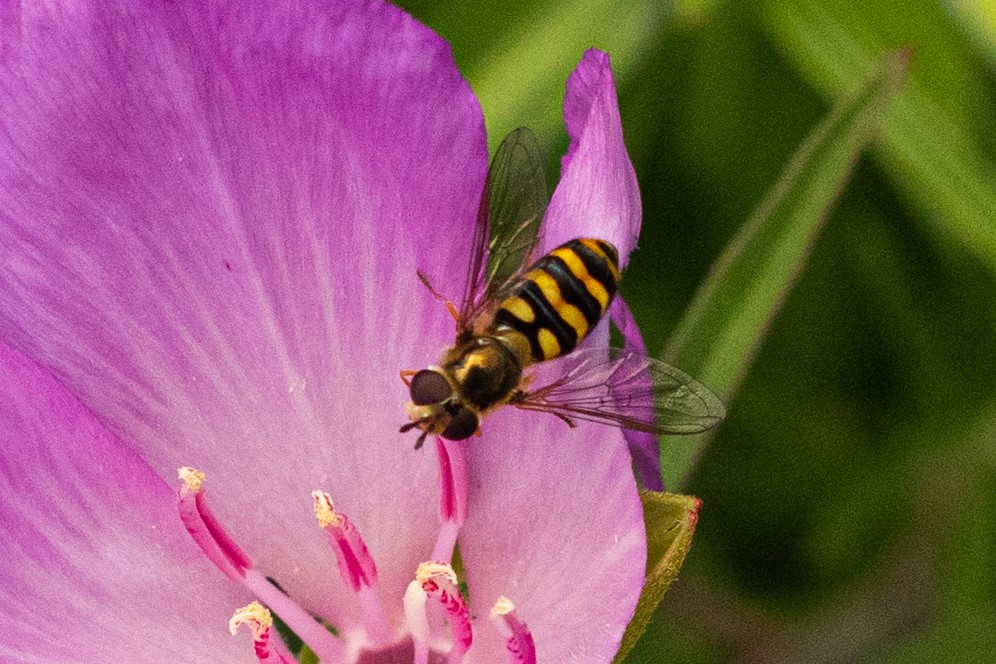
[670, 520]
[979, 19]
[518, 81]
[927, 145]
[726, 323]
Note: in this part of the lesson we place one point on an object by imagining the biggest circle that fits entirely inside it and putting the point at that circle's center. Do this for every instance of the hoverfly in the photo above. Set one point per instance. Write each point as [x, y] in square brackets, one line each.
[517, 312]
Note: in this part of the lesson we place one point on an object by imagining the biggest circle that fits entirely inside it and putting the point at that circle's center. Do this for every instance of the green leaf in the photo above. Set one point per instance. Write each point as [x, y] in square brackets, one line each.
[979, 19]
[670, 520]
[723, 328]
[933, 143]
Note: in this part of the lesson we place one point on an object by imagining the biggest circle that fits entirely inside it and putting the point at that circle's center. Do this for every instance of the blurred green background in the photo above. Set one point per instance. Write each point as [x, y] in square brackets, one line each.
[850, 498]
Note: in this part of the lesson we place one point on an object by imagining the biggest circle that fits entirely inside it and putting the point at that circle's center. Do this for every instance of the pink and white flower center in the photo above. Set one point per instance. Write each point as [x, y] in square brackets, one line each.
[435, 587]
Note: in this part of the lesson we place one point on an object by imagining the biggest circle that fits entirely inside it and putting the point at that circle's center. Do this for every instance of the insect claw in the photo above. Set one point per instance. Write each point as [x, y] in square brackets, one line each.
[406, 375]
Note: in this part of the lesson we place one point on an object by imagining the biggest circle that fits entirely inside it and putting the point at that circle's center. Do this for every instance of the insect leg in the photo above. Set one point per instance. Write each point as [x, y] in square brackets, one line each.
[566, 419]
[421, 439]
[406, 376]
[436, 294]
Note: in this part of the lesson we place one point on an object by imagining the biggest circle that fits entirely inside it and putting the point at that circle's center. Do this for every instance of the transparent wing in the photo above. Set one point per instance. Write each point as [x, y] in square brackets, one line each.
[518, 200]
[629, 390]
[508, 221]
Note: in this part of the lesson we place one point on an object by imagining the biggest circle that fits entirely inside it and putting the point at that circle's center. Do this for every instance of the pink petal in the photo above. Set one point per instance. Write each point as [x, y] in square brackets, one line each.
[598, 195]
[570, 553]
[556, 523]
[210, 222]
[97, 567]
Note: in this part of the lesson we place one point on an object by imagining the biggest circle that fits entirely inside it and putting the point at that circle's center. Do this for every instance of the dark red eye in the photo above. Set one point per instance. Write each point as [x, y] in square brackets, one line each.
[463, 425]
[430, 387]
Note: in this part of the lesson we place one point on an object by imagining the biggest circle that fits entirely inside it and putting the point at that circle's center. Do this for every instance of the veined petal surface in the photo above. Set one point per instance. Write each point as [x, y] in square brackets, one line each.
[598, 195]
[210, 224]
[556, 527]
[97, 566]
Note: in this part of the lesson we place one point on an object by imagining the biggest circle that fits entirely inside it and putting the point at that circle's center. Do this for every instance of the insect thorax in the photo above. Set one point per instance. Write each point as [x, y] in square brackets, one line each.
[485, 370]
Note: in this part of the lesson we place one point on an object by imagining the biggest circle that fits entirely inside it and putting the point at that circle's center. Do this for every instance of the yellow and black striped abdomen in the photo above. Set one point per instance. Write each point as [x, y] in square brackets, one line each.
[561, 297]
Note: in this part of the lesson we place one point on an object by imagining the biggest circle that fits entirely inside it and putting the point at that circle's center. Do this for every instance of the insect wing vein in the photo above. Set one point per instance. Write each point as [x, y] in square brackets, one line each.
[476, 268]
[506, 233]
[518, 200]
[630, 390]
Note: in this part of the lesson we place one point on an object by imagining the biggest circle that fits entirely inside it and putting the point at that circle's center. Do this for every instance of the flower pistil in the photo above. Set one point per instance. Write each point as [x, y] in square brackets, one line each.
[437, 581]
[260, 621]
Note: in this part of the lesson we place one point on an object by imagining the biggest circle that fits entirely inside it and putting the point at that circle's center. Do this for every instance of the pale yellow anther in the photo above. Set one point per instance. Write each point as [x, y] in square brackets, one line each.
[324, 510]
[255, 615]
[502, 607]
[192, 478]
[431, 570]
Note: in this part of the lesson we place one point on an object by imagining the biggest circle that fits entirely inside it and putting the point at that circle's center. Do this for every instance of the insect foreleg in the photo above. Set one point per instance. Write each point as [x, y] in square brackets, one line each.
[439, 296]
[406, 376]
[421, 440]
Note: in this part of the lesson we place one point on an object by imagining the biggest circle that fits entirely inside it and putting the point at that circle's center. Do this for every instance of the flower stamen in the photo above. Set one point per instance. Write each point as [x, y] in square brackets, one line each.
[323, 643]
[439, 583]
[206, 530]
[222, 550]
[356, 566]
[417, 621]
[518, 639]
[452, 495]
[260, 621]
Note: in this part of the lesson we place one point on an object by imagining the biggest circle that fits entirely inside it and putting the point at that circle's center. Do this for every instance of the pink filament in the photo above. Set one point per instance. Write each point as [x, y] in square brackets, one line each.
[356, 566]
[519, 644]
[449, 598]
[452, 480]
[211, 536]
[320, 640]
[452, 458]
[267, 654]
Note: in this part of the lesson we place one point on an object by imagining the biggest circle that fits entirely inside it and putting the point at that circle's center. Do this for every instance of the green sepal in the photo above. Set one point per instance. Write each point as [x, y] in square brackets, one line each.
[670, 520]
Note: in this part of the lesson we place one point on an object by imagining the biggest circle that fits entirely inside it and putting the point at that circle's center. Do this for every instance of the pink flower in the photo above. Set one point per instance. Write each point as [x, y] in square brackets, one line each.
[211, 219]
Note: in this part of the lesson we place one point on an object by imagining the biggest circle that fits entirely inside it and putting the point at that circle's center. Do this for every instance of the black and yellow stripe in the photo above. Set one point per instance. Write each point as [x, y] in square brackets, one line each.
[561, 297]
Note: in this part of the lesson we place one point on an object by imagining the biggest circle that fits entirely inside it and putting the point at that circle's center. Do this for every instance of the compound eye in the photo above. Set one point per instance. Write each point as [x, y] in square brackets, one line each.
[463, 425]
[430, 387]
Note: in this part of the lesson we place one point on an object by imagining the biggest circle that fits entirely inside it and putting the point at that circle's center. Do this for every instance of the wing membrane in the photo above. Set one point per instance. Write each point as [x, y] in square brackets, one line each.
[508, 221]
[629, 390]
[518, 202]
